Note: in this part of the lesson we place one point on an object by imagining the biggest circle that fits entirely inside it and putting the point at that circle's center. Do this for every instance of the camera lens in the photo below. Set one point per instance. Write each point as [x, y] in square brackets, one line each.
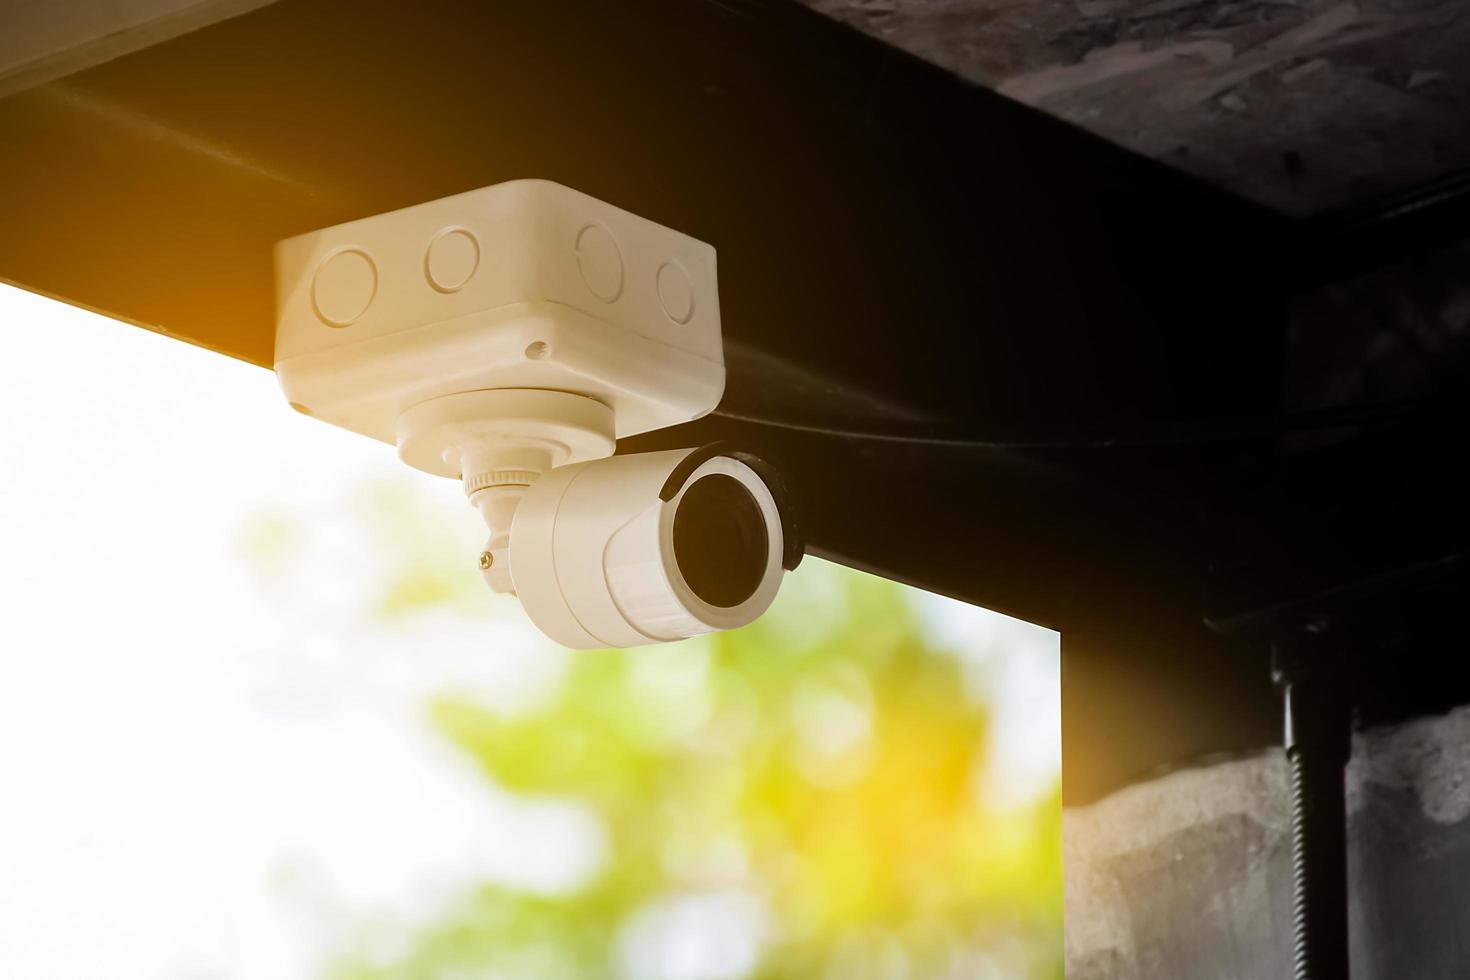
[720, 540]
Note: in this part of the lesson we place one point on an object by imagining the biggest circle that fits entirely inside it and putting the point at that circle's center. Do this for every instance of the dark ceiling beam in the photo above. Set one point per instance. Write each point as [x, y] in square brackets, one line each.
[896, 246]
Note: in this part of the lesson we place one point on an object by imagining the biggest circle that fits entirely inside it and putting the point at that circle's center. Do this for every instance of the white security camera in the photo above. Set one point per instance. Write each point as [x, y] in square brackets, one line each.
[508, 337]
[655, 546]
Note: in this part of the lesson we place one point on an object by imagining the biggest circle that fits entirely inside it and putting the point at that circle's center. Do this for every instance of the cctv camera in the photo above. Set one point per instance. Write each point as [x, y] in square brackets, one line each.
[508, 337]
[651, 547]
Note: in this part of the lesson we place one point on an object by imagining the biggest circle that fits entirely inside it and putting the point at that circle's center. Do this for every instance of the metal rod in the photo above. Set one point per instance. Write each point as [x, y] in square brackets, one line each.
[1318, 744]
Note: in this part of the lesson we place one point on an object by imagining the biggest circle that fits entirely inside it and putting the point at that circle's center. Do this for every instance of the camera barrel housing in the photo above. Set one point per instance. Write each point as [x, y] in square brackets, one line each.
[640, 549]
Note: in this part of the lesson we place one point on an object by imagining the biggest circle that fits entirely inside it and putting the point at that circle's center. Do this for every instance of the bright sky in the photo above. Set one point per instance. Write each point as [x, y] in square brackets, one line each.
[202, 777]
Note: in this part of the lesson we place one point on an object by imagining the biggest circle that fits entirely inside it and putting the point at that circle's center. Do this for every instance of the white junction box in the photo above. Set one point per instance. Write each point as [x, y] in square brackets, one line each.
[522, 285]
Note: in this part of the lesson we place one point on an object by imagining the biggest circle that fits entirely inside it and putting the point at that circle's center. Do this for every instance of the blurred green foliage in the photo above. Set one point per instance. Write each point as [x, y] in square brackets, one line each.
[823, 760]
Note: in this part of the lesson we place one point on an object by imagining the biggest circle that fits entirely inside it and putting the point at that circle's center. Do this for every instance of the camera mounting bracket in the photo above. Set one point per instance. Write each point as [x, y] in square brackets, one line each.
[497, 442]
[475, 435]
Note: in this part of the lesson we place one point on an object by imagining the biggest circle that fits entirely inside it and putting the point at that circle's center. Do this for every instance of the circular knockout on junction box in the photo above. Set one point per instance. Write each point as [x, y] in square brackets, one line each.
[343, 287]
[452, 259]
[600, 262]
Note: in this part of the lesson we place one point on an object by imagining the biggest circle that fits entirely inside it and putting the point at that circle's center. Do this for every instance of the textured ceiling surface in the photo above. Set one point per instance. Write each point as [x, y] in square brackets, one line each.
[1305, 106]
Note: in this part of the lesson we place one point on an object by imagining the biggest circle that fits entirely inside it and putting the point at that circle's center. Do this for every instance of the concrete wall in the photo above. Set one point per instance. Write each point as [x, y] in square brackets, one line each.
[1188, 877]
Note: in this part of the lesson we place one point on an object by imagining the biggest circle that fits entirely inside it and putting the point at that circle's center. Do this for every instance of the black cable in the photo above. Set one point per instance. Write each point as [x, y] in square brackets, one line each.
[1179, 434]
